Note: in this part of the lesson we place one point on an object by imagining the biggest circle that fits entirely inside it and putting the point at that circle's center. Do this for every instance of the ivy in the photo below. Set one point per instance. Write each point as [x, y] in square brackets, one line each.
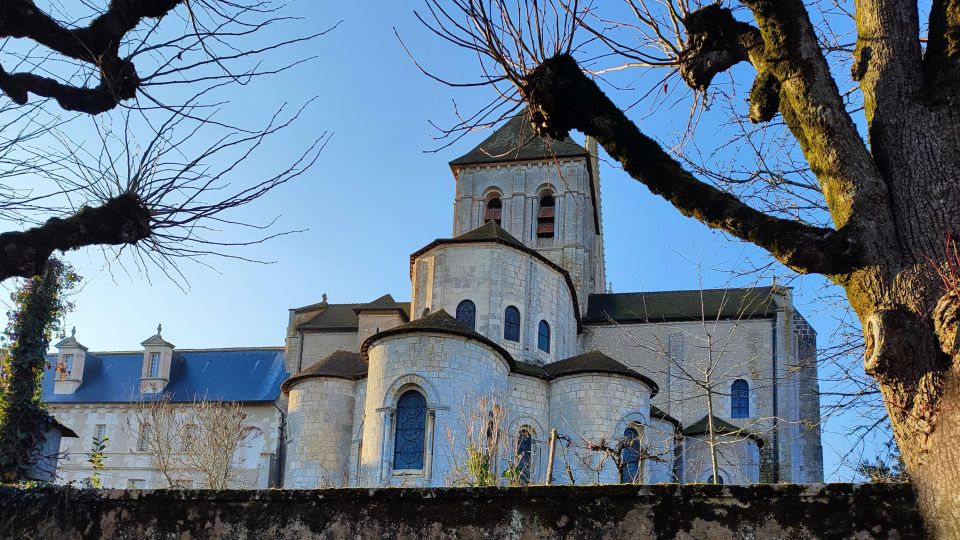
[39, 307]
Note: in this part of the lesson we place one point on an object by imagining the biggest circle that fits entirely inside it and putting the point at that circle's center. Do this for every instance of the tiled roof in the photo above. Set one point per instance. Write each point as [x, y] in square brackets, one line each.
[515, 141]
[384, 303]
[596, 362]
[493, 232]
[440, 322]
[588, 362]
[338, 364]
[343, 317]
[721, 427]
[656, 412]
[246, 375]
[681, 305]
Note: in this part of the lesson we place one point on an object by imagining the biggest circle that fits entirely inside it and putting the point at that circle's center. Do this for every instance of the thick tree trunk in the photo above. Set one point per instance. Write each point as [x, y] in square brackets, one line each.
[887, 255]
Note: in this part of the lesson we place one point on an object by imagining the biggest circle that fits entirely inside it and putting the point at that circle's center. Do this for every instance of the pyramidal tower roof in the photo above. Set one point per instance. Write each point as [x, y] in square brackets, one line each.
[516, 141]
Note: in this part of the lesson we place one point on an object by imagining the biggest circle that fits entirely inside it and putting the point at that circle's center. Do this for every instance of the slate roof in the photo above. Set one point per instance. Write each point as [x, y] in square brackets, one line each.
[588, 362]
[722, 427]
[492, 232]
[437, 322]
[343, 317]
[384, 303]
[515, 140]
[337, 365]
[246, 375]
[745, 303]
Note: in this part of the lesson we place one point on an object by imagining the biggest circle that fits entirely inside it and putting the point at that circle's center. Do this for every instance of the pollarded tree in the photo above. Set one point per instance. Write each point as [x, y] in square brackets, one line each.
[891, 190]
[154, 73]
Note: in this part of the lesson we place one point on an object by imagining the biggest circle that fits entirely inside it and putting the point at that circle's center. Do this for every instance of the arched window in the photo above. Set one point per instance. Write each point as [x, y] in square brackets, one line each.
[426, 311]
[511, 324]
[543, 336]
[492, 210]
[408, 442]
[524, 455]
[467, 313]
[545, 216]
[740, 399]
[630, 456]
[717, 480]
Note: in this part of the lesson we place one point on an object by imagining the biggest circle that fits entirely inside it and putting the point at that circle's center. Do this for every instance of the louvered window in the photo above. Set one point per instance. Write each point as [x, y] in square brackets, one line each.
[545, 216]
[493, 210]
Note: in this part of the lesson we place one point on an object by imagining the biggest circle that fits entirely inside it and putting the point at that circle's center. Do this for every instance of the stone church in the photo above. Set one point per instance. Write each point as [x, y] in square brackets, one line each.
[511, 341]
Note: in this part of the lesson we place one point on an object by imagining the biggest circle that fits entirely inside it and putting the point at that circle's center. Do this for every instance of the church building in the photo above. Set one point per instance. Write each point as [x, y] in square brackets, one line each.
[511, 343]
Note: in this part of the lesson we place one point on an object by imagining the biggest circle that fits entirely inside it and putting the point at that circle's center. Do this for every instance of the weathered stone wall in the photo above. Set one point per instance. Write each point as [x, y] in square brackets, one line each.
[667, 512]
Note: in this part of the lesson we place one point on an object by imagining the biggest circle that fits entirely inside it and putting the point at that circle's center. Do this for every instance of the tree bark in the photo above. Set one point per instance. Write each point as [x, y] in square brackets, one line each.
[887, 261]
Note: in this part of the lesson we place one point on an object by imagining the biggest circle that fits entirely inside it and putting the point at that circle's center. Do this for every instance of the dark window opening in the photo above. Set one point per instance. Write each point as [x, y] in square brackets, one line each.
[511, 324]
[492, 211]
[740, 399]
[467, 314]
[545, 216]
[543, 337]
[630, 457]
[524, 456]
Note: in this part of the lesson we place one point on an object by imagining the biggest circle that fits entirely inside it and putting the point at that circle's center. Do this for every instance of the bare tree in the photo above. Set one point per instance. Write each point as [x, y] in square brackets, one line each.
[158, 70]
[890, 190]
[200, 442]
[477, 441]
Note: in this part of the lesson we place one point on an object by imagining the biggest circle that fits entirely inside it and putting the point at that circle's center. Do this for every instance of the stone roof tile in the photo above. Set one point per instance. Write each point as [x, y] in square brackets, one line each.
[516, 141]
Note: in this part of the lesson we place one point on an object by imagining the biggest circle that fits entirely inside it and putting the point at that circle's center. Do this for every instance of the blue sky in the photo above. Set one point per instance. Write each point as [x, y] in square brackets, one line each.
[376, 195]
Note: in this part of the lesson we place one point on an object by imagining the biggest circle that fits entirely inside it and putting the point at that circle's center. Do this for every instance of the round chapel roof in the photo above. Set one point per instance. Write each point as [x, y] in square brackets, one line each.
[336, 365]
[442, 323]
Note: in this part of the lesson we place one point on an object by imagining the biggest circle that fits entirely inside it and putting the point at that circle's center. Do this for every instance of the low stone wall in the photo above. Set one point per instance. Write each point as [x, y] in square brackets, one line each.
[698, 512]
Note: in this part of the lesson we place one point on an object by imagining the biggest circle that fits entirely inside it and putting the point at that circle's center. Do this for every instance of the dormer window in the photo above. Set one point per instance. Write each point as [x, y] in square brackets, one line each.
[70, 361]
[546, 216]
[154, 364]
[157, 360]
[493, 210]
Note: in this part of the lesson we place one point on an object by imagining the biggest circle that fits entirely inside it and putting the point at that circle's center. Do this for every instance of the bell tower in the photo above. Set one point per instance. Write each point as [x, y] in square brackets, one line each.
[544, 192]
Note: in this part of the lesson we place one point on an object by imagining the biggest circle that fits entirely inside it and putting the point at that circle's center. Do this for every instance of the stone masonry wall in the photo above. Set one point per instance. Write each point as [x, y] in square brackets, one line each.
[493, 277]
[870, 511]
[594, 407]
[319, 416]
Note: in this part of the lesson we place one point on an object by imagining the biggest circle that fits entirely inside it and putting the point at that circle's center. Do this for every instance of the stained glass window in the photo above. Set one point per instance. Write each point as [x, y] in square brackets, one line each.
[467, 313]
[524, 455]
[408, 444]
[630, 456]
[740, 399]
[543, 337]
[511, 324]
